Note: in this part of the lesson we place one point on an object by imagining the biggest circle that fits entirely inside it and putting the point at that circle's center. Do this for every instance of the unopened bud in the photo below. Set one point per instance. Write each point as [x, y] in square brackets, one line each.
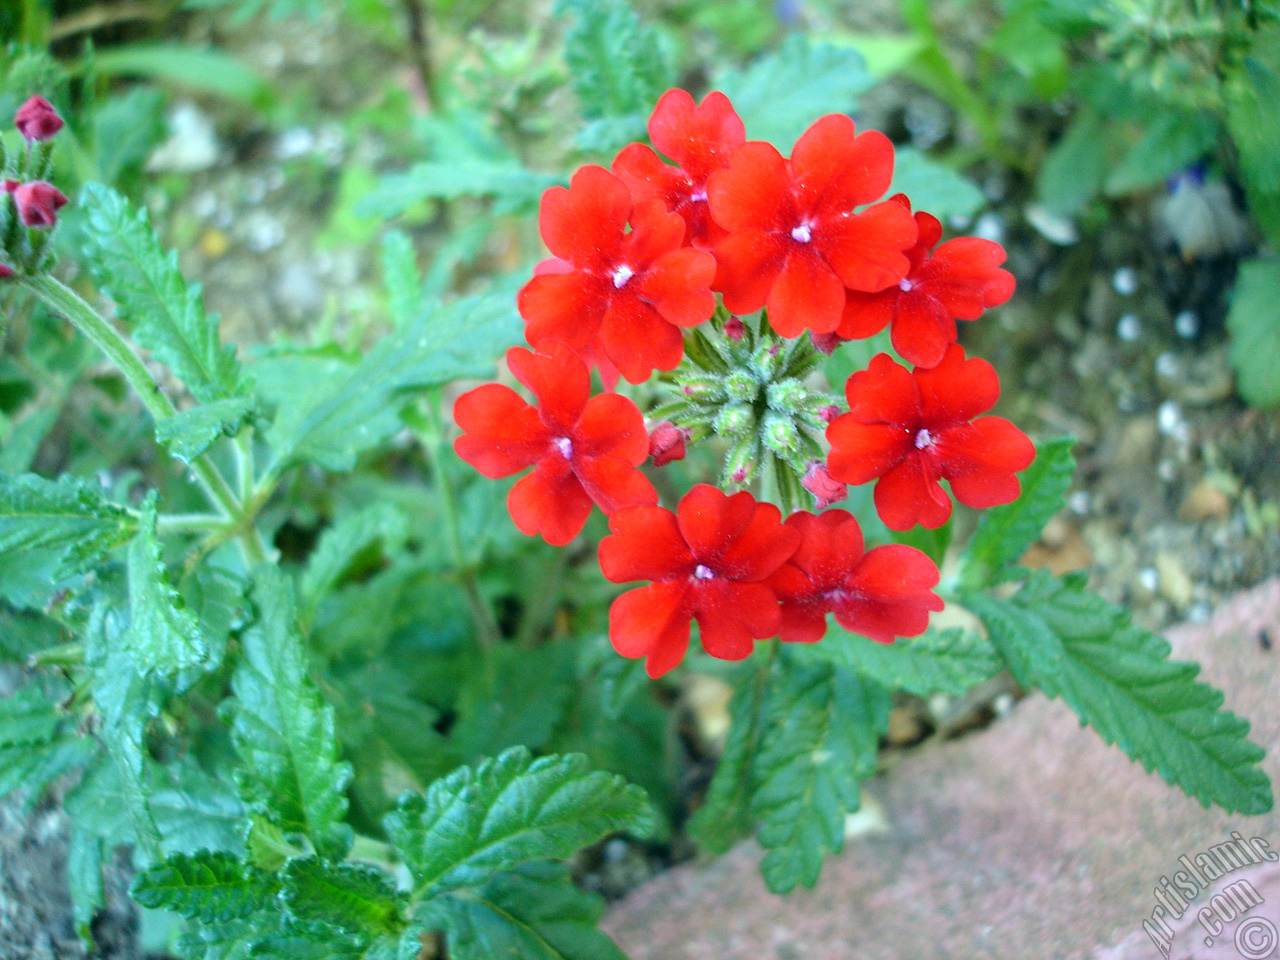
[780, 434]
[701, 387]
[5, 272]
[734, 329]
[36, 119]
[741, 386]
[825, 488]
[38, 203]
[740, 463]
[764, 360]
[825, 342]
[828, 413]
[734, 421]
[667, 443]
[787, 396]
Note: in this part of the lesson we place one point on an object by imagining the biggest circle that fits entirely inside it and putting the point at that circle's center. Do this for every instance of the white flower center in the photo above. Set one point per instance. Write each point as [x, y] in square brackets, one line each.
[565, 446]
[801, 233]
[703, 572]
[905, 285]
[698, 196]
[923, 439]
[622, 275]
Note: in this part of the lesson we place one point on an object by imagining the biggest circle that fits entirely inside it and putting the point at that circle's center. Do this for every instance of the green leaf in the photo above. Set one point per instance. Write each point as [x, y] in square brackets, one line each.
[1168, 142]
[514, 189]
[284, 735]
[191, 432]
[1119, 679]
[211, 886]
[1075, 166]
[50, 530]
[84, 878]
[1254, 323]
[820, 738]
[195, 811]
[938, 661]
[352, 897]
[211, 71]
[1253, 112]
[162, 635]
[1004, 533]
[334, 422]
[341, 544]
[618, 66]
[533, 913]
[782, 93]
[19, 450]
[152, 296]
[494, 816]
[32, 767]
[400, 277]
[934, 187]
[27, 716]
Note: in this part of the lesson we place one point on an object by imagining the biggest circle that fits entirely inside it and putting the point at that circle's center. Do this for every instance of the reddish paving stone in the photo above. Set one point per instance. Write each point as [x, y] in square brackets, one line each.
[1030, 839]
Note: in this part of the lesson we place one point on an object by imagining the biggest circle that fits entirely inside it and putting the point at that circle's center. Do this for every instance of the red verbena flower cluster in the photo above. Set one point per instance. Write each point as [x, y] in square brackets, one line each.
[702, 230]
[30, 198]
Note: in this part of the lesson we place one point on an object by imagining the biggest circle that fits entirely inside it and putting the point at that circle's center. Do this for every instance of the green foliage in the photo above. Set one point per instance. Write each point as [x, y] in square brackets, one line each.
[531, 913]
[1004, 533]
[51, 530]
[190, 433]
[207, 71]
[283, 734]
[781, 93]
[1075, 167]
[351, 897]
[1254, 322]
[151, 295]
[618, 67]
[1118, 678]
[934, 187]
[938, 661]
[510, 810]
[211, 885]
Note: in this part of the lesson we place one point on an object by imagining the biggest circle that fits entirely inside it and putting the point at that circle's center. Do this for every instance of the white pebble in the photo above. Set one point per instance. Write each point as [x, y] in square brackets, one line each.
[1187, 324]
[1167, 365]
[1125, 281]
[1149, 578]
[1129, 327]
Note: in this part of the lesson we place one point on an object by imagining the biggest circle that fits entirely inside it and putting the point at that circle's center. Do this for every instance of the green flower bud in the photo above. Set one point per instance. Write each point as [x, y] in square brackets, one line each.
[766, 359]
[741, 386]
[779, 433]
[742, 462]
[787, 396]
[734, 421]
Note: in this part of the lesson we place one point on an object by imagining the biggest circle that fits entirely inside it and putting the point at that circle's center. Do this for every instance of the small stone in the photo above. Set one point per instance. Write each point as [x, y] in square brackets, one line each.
[1175, 584]
[213, 243]
[868, 818]
[707, 699]
[192, 145]
[1187, 324]
[1129, 327]
[905, 727]
[1205, 501]
[1125, 281]
[1052, 227]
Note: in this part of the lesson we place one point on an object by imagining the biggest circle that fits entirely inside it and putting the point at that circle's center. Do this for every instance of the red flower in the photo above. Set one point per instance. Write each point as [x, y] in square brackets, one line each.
[667, 443]
[38, 203]
[36, 119]
[624, 295]
[880, 593]
[708, 562]
[794, 243]
[910, 428]
[957, 282]
[583, 449]
[700, 140]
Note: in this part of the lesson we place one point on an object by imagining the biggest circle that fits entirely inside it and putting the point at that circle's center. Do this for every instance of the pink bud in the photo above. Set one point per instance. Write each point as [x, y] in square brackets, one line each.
[36, 119]
[9, 185]
[5, 271]
[667, 443]
[734, 328]
[829, 413]
[825, 488]
[739, 475]
[825, 342]
[38, 203]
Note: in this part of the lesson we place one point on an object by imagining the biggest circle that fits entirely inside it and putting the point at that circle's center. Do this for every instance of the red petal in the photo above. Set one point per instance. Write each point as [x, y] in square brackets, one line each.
[654, 231]
[910, 494]
[645, 544]
[922, 328]
[831, 546]
[613, 485]
[710, 520]
[889, 594]
[585, 223]
[930, 230]
[803, 621]
[562, 306]
[869, 250]
[649, 178]
[885, 392]
[678, 285]
[636, 339]
[731, 616]
[763, 547]
[807, 295]
[747, 264]
[980, 460]
[866, 314]
[503, 433]
[611, 425]
[860, 452]
[652, 622]
[956, 390]
[965, 275]
[558, 378]
[700, 138]
[550, 501]
[835, 171]
[754, 192]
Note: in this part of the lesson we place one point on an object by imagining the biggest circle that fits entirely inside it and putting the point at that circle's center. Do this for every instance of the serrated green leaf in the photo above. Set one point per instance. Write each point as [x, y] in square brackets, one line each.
[228, 940]
[1073, 170]
[400, 277]
[333, 423]
[820, 738]
[938, 661]
[195, 811]
[618, 65]
[339, 546]
[212, 886]
[152, 296]
[1120, 680]
[163, 636]
[506, 811]
[534, 913]
[284, 735]
[352, 897]
[52, 529]
[33, 766]
[209, 70]
[1168, 142]
[84, 878]
[1254, 323]
[315, 941]
[1253, 111]
[191, 432]
[1004, 533]
[28, 717]
[19, 450]
[934, 187]
[782, 93]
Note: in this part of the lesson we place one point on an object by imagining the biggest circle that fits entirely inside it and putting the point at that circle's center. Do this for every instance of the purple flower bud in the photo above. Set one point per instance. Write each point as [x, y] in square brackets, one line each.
[734, 328]
[36, 119]
[5, 272]
[38, 203]
[825, 488]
